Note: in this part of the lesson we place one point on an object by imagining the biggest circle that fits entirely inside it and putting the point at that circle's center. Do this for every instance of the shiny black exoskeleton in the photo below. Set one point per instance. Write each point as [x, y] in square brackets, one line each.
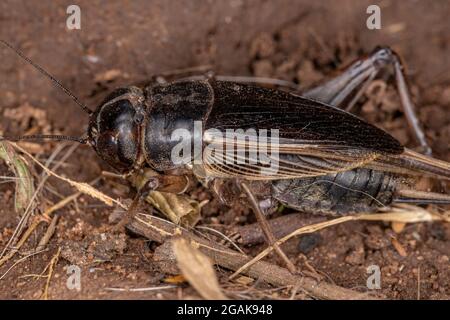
[133, 128]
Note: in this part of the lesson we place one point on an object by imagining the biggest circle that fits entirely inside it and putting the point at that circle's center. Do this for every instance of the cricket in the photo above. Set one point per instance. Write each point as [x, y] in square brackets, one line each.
[288, 162]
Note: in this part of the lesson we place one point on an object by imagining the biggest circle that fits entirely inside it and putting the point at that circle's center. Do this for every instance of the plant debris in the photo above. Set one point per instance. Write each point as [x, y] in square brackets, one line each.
[197, 269]
[24, 179]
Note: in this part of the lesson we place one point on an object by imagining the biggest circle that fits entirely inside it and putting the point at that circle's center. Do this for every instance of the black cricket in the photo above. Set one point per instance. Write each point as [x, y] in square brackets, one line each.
[330, 161]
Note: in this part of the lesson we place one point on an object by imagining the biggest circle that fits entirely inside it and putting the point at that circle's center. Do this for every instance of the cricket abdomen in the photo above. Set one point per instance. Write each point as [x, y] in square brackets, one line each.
[354, 191]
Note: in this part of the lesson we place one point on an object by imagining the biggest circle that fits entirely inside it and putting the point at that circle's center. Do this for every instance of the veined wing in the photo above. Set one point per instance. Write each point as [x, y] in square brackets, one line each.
[303, 137]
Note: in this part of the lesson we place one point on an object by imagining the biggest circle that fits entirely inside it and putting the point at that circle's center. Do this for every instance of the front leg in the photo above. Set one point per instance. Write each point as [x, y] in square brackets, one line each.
[165, 193]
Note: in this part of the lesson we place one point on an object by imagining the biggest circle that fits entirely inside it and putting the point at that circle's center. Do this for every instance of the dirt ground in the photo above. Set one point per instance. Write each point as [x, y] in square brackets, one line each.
[126, 42]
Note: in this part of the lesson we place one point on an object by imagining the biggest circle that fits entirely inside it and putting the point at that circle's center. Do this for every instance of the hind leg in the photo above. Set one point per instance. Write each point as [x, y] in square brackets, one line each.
[265, 227]
[344, 90]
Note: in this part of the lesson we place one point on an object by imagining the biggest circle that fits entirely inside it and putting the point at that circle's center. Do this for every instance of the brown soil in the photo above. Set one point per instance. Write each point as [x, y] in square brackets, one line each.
[303, 41]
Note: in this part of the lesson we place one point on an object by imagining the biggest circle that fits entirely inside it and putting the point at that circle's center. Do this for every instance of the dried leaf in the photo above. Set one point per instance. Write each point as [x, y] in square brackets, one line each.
[197, 269]
[180, 209]
[178, 279]
[108, 75]
[398, 226]
[244, 280]
[24, 183]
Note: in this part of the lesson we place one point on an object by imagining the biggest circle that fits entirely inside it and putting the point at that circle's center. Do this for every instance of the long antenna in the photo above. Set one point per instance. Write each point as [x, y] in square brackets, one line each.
[44, 136]
[48, 75]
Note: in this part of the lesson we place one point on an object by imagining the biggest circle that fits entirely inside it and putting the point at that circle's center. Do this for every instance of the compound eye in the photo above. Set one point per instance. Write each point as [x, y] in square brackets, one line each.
[107, 146]
[107, 143]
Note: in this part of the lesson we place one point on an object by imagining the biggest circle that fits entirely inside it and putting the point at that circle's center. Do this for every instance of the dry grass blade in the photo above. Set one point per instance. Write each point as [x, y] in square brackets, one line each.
[51, 267]
[21, 242]
[141, 289]
[44, 241]
[303, 230]
[80, 186]
[197, 269]
[48, 234]
[401, 213]
[24, 182]
[60, 204]
[29, 209]
[163, 231]
[19, 261]
[405, 213]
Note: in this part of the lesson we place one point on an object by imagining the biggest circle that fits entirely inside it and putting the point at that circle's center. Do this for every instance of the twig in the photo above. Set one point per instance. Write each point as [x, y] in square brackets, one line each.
[22, 240]
[51, 267]
[418, 282]
[162, 231]
[304, 230]
[61, 204]
[403, 213]
[223, 236]
[52, 227]
[33, 226]
[27, 213]
[19, 261]
[141, 289]
[80, 186]
[48, 234]
[251, 234]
